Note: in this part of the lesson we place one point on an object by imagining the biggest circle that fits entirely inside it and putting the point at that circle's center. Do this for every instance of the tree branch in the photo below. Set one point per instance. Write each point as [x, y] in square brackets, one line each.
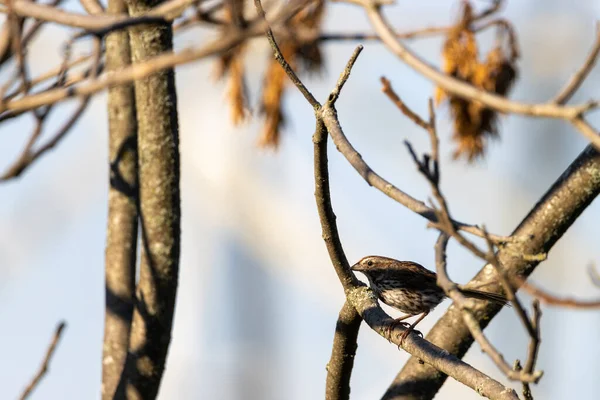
[553, 300]
[122, 227]
[160, 213]
[377, 181]
[46, 362]
[565, 94]
[339, 367]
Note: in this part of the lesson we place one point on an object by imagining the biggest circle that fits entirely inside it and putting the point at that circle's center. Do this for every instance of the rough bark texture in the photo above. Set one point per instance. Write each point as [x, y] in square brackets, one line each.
[122, 230]
[158, 153]
[545, 224]
[339, 368]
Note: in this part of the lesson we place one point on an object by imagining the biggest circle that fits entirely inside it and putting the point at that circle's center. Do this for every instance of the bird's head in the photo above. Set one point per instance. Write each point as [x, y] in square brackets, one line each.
[371, 263]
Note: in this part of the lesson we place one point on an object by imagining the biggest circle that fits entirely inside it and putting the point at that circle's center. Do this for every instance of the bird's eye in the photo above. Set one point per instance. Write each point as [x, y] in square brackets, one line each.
[370, 263]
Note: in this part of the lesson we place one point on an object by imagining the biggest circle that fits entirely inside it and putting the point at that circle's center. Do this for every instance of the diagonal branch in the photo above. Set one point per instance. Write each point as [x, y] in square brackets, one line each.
[553, 300]
[377, 181]
[284, 64]
[46, 362]
[565, 94]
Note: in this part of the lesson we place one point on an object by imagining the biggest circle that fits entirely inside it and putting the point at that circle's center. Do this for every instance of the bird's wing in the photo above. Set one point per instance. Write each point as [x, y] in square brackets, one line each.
[414, 274]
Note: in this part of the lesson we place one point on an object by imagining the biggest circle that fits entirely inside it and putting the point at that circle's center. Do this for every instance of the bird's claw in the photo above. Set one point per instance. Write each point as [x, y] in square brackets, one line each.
[393, 326]
[405, 335]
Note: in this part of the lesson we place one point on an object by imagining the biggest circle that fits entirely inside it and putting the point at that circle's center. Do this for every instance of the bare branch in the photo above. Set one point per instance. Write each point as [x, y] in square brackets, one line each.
[339, 367]
[284, 64]
[389, 92]
[123, 213]
[553, 300]
[594, 275]
[565, 94]
[29, 155]
[526, 387]
[373, 179]
[46, 362]
[159, 210]
[534, 343]
[469, 319]
[416, 34]
[325, 209]
[24, 8]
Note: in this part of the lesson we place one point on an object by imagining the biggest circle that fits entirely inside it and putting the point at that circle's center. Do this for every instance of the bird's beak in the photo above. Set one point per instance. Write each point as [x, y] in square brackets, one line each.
[356, 267]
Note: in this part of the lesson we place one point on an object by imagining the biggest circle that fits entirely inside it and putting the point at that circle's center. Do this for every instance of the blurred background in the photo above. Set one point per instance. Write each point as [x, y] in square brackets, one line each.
[258, 298]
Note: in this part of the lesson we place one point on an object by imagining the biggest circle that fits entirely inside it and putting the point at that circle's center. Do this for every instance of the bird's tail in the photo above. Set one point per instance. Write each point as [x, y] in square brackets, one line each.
[481, 295]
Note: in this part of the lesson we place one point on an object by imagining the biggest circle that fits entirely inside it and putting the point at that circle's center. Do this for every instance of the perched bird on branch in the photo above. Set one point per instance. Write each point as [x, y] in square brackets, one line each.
[410, 287]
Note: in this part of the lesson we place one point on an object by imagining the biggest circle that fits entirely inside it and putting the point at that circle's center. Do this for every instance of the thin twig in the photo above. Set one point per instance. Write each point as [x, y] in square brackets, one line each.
[282, 61]
[553, 300]
[509, 291]
[16, 25]
[389, 92]
[534, 343]
[526, 387]
[429, 168]
[46, 361]
[53, 73]
[416, 34]
[335, 93]
[532, 326]
[565, 94]
[28, 155]
[44, 12]
[451, 289]
[594, 275]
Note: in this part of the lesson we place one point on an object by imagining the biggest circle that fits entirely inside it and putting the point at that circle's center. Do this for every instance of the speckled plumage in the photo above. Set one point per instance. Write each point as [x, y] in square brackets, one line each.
[404, 285]
[409, 287]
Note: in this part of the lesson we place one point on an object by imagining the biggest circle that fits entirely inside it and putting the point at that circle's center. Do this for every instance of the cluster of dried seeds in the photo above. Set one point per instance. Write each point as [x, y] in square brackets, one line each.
[474, 123]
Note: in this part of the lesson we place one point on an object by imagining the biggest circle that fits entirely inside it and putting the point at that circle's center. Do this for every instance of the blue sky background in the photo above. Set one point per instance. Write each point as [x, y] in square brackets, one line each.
[258, 299]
